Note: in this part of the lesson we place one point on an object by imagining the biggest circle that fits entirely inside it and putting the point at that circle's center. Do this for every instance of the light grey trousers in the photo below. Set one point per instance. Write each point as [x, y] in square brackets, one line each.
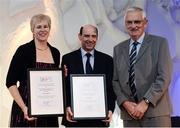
[162, 121]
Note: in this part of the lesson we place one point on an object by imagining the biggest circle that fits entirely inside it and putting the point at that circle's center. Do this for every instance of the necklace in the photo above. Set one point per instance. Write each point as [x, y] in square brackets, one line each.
[42, 49]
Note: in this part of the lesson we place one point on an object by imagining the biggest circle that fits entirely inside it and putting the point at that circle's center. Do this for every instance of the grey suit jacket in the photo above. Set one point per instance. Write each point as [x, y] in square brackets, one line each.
[153, 69]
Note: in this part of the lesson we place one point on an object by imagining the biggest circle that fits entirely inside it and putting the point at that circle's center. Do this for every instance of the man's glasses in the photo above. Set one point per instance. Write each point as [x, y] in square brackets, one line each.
[136, 22]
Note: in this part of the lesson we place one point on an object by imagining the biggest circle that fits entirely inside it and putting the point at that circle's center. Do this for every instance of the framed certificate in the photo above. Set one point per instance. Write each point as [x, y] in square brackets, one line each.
[46, 92]
[88, 94]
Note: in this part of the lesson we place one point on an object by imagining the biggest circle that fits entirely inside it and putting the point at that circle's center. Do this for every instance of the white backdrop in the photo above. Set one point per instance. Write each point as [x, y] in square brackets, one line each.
[67, 17]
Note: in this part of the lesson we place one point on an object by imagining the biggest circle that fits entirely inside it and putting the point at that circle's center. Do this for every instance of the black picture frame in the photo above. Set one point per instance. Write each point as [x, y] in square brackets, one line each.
[46, 92]
[88, 96]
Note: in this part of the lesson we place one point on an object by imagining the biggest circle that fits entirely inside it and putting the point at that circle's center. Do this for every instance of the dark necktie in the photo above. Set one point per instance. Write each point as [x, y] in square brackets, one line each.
[88, 65]
[132, 59]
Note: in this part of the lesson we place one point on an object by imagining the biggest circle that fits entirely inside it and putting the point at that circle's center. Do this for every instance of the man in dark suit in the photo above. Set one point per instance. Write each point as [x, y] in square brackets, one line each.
[75, 63]
[142, 74]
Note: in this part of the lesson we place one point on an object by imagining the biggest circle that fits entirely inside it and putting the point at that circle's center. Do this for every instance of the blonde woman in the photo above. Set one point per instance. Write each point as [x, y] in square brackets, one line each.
[37, 53]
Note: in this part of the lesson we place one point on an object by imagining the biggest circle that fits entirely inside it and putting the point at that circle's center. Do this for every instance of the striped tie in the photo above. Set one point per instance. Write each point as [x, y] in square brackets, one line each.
[132, 59]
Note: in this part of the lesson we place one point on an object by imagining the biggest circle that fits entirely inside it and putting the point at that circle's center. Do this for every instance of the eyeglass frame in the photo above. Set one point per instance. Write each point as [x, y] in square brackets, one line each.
[136, 22]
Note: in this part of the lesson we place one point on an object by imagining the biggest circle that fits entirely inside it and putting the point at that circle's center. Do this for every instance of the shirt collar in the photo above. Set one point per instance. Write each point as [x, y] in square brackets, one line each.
[140, 40]
[83, 52]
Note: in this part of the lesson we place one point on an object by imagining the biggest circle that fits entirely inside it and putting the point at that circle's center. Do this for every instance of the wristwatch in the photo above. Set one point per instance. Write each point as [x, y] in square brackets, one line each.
[146, 101]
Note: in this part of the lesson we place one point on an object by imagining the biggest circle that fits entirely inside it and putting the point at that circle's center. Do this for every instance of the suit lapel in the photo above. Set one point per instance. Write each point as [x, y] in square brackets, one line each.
[79, 63]
[125, 52]
[143, 48]
[96, 61]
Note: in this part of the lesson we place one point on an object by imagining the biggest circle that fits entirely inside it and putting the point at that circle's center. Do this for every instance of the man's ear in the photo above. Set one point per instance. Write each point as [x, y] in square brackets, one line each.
[80, 37]
[146, 23]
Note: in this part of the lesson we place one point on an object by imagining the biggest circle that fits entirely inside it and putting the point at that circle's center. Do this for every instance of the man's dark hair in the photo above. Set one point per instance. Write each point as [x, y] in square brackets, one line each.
[81, 30]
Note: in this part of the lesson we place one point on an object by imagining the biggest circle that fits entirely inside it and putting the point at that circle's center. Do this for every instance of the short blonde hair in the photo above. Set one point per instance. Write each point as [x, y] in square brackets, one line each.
[38, 18]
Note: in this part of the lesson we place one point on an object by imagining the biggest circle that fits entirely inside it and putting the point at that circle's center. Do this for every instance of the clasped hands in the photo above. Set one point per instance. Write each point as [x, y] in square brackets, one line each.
[69, 115]
[136, 110]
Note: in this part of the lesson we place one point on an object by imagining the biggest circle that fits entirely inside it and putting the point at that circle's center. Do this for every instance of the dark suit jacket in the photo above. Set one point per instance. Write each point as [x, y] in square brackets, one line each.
[103, 64]
[153, 69]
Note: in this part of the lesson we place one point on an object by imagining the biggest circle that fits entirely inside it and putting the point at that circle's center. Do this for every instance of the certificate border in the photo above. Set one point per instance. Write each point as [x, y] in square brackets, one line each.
[29, 91]
[105, 95]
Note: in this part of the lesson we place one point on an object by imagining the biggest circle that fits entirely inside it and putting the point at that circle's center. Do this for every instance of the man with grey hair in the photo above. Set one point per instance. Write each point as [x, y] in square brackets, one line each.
[142, 75]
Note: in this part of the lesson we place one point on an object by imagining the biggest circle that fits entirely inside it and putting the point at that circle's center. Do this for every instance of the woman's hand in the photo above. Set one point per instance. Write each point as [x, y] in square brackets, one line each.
[25, 111]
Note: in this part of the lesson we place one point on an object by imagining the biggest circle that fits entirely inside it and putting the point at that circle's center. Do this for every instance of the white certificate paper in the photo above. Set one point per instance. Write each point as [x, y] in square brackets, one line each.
[88, 96]
[46, 92]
